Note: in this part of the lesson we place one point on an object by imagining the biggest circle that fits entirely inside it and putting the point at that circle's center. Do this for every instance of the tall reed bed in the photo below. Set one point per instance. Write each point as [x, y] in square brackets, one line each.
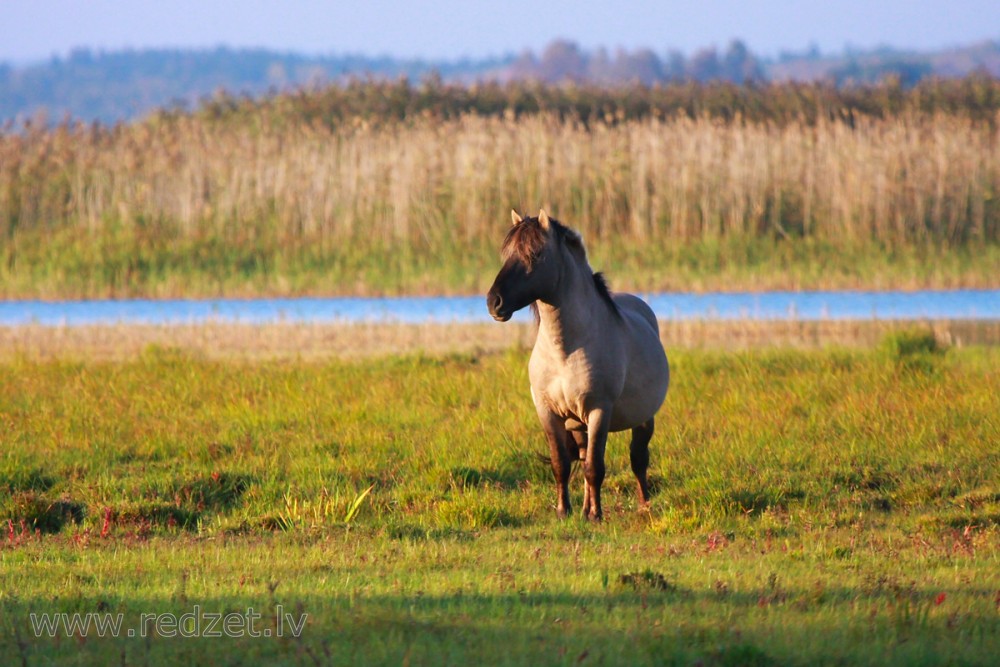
[425, 186]
[897, 180]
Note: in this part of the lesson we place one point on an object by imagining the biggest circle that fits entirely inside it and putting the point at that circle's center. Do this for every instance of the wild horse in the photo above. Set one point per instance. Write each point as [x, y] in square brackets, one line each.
[597, 366]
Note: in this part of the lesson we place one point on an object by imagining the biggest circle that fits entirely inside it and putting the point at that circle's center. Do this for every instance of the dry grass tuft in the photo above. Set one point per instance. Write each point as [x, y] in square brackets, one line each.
[325, 341]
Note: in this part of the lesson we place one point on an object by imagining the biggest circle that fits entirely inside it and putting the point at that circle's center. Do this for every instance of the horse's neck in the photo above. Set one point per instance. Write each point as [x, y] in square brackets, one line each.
[567, 321]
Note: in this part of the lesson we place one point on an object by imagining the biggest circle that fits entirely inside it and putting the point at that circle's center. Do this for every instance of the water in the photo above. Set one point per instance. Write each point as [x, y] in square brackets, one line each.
[938, 305]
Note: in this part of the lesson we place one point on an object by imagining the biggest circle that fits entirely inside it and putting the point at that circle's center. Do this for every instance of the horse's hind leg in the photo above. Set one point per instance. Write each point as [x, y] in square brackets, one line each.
[580, 441]
[639, 456]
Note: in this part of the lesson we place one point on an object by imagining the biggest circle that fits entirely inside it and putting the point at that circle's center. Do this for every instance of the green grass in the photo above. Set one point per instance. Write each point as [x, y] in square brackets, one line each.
[161, 263]
[822, 507]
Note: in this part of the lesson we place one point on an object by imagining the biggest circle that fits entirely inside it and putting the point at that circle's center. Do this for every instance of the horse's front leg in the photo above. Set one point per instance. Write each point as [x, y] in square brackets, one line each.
[556, 434]
[598, 422]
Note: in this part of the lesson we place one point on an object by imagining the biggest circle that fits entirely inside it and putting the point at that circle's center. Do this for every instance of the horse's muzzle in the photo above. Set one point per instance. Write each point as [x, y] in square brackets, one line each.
[494, 302]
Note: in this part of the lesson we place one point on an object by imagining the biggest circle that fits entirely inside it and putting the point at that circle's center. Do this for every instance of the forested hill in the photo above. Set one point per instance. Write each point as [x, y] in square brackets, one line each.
[125, 84]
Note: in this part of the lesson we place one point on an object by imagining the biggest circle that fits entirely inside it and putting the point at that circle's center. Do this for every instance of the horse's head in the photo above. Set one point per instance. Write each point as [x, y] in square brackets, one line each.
[532, 260]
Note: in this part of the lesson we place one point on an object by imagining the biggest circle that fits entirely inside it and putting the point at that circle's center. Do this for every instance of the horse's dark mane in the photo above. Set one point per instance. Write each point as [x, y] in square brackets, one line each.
[602, 288]
[526, 239]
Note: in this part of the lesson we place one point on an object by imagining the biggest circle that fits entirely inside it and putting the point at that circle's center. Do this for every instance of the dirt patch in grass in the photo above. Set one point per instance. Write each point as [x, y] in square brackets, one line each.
[36, 511]
[646, 580]
[145, 516]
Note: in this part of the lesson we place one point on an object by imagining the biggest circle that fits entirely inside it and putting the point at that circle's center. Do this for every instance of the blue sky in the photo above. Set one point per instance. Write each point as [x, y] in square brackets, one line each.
[449, 29]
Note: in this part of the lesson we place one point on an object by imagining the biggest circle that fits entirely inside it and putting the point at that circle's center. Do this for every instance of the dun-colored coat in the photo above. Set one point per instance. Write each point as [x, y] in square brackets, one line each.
[597, 365]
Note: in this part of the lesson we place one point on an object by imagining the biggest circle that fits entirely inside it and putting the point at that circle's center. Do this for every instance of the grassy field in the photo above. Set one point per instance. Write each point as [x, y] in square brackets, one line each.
[811, 507]
[163, 264]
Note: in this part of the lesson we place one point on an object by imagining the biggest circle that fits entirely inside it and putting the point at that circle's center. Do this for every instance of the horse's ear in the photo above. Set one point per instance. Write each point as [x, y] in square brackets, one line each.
[543, 219]
[514, 217]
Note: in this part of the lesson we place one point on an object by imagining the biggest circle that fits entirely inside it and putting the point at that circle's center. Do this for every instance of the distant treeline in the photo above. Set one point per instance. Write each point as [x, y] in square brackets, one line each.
[124, 85]
[976, 97]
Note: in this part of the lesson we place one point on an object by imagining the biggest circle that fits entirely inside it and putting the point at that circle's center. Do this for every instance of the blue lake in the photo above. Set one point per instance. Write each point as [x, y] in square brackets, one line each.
[958, 304]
